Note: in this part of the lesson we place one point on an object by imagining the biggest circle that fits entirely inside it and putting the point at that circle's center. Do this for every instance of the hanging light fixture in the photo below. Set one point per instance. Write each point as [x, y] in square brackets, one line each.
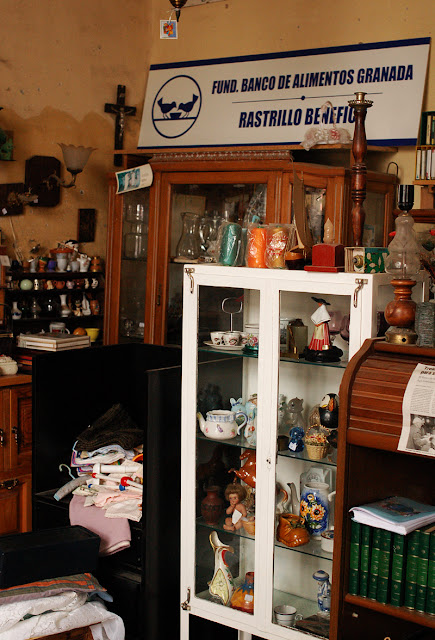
[178, 4]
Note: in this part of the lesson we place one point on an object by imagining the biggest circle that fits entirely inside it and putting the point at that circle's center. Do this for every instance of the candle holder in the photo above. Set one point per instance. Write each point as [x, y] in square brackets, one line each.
[403, 263]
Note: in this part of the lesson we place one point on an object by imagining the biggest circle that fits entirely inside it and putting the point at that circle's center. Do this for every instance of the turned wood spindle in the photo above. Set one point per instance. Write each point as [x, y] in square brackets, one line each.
[359, 170]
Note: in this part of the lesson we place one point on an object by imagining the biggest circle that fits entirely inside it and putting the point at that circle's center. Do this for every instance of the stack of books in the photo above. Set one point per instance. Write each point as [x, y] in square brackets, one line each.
[392, 567]
[52, 341]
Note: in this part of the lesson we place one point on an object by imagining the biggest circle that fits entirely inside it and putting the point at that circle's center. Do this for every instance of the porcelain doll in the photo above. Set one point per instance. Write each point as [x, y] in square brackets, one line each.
[235, 494]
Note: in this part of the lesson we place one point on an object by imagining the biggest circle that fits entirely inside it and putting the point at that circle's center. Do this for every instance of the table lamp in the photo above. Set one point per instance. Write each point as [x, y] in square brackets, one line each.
[403, 263]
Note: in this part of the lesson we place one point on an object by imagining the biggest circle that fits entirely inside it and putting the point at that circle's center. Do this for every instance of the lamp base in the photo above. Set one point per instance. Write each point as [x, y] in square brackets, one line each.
[401, 335]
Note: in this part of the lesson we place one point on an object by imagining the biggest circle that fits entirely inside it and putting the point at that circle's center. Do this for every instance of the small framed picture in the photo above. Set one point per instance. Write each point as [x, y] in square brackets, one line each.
[168, 30]
[86, 225]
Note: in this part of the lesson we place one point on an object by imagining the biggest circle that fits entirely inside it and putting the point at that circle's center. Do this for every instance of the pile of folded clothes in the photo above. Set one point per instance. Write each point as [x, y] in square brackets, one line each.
[107, 492]
[49, 607]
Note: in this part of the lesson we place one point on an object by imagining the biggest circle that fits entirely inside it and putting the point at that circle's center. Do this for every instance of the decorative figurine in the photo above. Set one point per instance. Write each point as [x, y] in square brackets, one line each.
[328, 414]
[320, 348]
[323, 593]
[235, 494]
[296, 440]
[291, 530]
[237, 406]
[221, 586]
[247, 473]
[243, 597]
[295, 406]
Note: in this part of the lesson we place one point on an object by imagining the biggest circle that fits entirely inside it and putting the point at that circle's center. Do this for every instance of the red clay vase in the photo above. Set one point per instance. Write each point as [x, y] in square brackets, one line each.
[212, 506]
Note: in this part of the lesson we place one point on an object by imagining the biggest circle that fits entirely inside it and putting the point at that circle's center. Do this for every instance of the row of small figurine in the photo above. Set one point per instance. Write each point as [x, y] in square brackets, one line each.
[49, 285]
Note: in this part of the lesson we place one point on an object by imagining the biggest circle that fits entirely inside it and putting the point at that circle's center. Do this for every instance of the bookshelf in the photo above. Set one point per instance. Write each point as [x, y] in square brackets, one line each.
[369, 468]
[425, 151]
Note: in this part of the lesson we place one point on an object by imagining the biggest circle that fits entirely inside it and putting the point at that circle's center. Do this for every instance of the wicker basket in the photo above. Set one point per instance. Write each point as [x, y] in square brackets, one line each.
[316, 445]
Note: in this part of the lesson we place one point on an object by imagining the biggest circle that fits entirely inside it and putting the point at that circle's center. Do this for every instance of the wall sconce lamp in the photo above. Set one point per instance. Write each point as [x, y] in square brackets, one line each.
[75, 159]
[42, 178]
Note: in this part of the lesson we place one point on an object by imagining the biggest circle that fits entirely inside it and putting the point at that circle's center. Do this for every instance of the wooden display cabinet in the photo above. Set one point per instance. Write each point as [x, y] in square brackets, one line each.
[144, 293]
[15, 453]
[370, 468]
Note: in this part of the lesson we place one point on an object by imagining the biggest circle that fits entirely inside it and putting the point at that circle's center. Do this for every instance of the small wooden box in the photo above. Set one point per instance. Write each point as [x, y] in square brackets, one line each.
[327, 258]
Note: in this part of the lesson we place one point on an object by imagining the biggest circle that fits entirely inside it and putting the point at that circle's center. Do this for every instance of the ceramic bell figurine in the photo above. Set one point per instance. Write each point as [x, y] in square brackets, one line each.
[320, 348]
[221, 586]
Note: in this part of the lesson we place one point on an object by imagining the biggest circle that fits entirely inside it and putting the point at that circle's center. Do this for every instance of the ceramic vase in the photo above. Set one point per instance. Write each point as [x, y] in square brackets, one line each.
[315, 499]
[221, 586]
[243, 597]
[212, 506]
[323, 593]
[16, 312]
[65, 311]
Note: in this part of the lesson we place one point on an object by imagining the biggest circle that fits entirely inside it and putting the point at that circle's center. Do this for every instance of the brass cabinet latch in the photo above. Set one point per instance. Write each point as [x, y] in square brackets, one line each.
[189, 271]
[360, 282]
[185, 605]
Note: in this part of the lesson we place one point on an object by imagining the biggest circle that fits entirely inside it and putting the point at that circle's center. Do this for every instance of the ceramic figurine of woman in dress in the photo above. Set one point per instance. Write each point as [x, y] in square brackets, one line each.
[320, 348]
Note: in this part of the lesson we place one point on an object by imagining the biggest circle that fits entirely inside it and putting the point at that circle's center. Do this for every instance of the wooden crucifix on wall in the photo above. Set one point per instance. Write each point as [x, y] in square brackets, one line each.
[121, 111]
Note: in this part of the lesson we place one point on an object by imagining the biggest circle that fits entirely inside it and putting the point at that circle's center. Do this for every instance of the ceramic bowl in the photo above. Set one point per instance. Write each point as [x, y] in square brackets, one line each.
[8, 367]
[327, 540]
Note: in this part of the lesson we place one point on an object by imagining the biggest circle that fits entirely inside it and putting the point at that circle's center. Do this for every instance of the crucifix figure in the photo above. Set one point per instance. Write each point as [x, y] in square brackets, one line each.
[121, 110]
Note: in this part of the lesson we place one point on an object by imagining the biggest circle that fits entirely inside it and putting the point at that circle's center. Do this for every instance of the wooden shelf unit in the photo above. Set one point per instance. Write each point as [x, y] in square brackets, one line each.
[369, 468]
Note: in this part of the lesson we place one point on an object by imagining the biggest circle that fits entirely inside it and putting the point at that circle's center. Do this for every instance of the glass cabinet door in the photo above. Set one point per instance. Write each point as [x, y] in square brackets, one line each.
[305, 473]
[197, 209]
[134, 254]
[222, 421]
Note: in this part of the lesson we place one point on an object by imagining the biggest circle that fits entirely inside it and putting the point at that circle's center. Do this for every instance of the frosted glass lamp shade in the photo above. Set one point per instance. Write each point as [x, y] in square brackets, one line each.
[75, 158]
[403, 260]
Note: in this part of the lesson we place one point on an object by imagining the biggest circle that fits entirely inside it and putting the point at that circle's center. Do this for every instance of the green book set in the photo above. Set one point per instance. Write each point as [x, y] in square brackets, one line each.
[392, 568]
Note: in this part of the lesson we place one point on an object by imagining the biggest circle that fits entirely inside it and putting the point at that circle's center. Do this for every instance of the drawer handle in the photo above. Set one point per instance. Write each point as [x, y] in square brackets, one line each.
[16, 434]
[2, 438]
[9, 484]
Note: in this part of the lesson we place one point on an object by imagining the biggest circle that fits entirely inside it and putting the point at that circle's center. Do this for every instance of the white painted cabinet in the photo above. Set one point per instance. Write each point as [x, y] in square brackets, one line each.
[211, 377]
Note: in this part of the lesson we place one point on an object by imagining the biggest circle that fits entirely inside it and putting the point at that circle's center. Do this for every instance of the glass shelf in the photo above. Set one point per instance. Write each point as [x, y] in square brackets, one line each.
[244, 354]
[240, 533]
[242, 443]
[312, 548]
[330, 459]
[303, 606]
[238, 441]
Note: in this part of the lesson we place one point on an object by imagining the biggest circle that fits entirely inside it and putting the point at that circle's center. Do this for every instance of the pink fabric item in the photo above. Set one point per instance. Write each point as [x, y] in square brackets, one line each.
[115, 535]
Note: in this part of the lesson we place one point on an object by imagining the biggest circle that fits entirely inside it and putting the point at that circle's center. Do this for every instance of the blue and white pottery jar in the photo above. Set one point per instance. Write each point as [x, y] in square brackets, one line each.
[323, 593]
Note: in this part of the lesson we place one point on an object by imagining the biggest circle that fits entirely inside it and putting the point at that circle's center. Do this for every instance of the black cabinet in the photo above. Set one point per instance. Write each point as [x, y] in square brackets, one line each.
[72, 389]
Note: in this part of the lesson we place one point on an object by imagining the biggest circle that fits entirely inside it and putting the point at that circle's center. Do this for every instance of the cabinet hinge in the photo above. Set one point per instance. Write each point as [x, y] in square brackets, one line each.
[360, 282]
[185, 605]
[189, 271]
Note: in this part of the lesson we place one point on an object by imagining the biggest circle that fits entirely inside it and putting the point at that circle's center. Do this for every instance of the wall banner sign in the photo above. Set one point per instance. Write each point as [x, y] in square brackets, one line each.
[275, 98]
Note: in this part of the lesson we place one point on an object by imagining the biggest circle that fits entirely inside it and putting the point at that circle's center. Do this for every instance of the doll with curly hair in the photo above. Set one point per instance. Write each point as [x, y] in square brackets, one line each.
[235, 494]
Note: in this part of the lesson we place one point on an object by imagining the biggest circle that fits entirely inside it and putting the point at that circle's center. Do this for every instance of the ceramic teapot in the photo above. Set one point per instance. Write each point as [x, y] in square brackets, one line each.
[221, 424]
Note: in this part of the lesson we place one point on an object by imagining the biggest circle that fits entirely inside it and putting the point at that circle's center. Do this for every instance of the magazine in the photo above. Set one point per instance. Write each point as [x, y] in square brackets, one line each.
[397, 514]
[418, 411]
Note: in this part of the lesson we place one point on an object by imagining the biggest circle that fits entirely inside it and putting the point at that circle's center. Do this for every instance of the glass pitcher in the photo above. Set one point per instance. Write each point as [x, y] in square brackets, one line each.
[136, 237]
[189, 244]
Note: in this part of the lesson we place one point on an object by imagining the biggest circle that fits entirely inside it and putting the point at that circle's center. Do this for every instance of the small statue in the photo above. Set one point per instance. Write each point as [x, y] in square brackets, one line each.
[328, 415]
[237, 406]
[78, 308]
[235, 494]
[295, 406]
[320, 348]
[296, 439]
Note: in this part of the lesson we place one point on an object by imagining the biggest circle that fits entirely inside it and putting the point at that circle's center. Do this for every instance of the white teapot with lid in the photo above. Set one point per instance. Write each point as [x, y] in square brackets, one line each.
[221, 424]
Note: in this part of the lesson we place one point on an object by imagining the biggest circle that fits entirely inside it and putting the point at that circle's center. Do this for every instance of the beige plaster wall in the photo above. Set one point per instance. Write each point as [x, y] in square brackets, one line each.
[60, 62]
